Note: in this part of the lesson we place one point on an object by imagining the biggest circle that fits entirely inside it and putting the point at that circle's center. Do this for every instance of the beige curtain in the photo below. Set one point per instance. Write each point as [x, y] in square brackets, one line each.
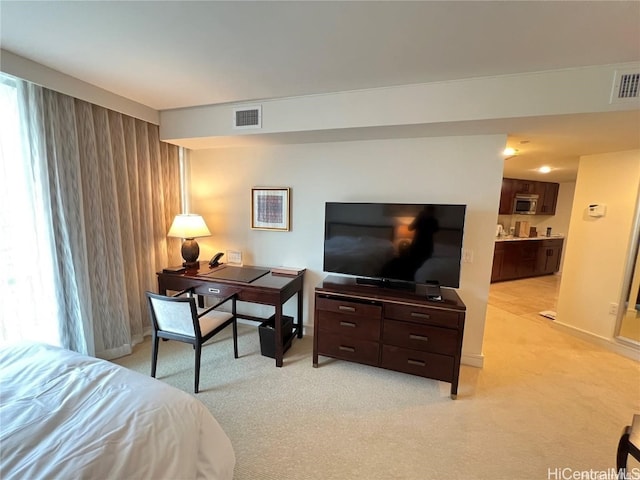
[111, 190]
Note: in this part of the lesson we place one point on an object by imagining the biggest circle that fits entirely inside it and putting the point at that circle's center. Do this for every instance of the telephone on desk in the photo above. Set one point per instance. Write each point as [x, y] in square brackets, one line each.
[215, 261]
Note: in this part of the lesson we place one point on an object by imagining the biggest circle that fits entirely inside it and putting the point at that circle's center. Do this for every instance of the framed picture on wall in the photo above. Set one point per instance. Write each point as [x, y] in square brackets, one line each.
[270, 208]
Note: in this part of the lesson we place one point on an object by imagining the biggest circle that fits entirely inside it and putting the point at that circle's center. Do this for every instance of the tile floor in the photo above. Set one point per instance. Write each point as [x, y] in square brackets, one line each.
[529, 296]
[526, 297]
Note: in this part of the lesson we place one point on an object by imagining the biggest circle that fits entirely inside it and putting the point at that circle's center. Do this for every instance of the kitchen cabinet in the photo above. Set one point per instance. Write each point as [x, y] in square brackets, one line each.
[498, 261]
[507, 196]
[548, 256]
[546, 191]
[525, 258]
[525, 186]
[548, 198]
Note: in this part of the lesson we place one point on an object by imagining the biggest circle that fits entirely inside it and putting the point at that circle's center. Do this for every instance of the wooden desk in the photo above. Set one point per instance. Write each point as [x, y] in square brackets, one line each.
[269, 289]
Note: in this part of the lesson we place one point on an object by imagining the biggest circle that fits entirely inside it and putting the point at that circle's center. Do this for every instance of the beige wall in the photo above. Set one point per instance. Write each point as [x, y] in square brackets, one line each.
[438, 170]
[597, 248]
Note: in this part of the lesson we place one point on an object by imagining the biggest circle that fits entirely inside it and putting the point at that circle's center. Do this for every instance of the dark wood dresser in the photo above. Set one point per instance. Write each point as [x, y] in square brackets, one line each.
[393, 329]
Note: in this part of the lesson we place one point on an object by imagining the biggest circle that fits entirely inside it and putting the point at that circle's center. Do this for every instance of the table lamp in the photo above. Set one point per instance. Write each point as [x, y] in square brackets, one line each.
[189, 226]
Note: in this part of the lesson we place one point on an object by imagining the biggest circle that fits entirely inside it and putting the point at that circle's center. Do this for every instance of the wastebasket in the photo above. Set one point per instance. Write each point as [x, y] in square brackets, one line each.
[267, 333]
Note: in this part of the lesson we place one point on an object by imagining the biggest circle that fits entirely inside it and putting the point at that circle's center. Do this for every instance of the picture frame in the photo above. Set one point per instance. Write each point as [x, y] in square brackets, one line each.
[270, 208]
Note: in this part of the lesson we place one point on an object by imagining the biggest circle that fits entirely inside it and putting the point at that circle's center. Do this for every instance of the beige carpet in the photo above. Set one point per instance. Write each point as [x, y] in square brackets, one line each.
[544, 401]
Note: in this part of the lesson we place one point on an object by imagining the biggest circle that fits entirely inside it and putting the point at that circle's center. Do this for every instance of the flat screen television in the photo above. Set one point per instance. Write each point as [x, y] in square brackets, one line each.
[393, 244]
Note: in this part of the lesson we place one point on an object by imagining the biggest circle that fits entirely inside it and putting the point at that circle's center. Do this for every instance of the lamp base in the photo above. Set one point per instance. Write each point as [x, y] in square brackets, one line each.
[190, 251]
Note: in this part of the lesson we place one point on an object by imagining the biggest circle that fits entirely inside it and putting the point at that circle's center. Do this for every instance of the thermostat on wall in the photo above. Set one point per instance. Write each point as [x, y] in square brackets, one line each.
[597, 210]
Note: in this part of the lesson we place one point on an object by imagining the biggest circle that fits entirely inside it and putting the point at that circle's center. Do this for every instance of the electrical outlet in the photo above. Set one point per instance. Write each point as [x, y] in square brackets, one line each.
[467, 256]
[613, 308]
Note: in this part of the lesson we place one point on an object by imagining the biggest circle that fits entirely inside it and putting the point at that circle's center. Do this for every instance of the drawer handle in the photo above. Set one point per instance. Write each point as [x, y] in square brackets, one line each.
[418, 337]
[418, 363]
[420, 315]
[214, 290]
[347, 324]
[347, 309]
[342, 348]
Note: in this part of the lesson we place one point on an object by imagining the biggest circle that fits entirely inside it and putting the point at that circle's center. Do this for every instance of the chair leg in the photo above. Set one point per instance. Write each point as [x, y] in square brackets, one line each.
[198, 348]
[235, 338]
[154, 356]
[622, 453]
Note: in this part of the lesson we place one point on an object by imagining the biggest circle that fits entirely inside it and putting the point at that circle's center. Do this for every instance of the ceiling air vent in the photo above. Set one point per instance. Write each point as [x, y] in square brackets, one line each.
[626, 86]
[247, 117]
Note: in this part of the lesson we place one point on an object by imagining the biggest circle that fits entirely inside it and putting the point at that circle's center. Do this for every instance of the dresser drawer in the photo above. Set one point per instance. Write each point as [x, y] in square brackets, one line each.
[346, 307]
[353, 349]
[420, 337]
[416, 362]
[352, 326]
[431, 316]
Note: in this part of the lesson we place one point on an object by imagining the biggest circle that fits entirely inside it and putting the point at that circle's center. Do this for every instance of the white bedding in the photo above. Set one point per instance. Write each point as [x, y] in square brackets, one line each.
[65, 416]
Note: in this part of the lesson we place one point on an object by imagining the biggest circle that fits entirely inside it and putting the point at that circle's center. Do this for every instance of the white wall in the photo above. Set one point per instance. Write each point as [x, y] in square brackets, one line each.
[566, 91]
[464, 170]
[597, 249]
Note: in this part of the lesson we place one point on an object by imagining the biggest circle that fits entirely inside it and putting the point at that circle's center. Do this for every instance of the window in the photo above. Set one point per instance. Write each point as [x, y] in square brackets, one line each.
[28, 306]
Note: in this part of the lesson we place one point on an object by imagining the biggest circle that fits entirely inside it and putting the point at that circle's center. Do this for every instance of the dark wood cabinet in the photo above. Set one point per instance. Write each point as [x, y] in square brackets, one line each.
[393, 329]
[548, 199]
[498, 261]
[507, 196]
[526, 258]
[525, 186]
[548, 258]
[547, 195]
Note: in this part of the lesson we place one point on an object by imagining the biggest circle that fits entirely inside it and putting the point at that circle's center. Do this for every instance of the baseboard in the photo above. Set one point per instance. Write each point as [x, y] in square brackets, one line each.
[611, 344]
[472, 360]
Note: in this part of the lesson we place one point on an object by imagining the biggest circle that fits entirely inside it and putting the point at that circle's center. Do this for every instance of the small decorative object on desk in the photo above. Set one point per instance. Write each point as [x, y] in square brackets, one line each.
[179, 269]
[287, 271]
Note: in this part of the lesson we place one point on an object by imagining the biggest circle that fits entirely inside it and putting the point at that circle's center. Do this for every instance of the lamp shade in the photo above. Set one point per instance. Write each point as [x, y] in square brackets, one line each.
[188, 225]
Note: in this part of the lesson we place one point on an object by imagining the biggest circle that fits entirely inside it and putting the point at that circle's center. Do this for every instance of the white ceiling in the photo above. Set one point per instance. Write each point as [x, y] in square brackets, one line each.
[167, 54]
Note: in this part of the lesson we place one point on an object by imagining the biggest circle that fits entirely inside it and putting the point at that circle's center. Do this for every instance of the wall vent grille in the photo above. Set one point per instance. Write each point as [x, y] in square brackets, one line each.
[626, 86]
[247, 117]
[629, 85]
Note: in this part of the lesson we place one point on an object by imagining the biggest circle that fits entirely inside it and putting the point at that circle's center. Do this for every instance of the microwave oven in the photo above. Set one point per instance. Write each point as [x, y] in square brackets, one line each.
[525, 204]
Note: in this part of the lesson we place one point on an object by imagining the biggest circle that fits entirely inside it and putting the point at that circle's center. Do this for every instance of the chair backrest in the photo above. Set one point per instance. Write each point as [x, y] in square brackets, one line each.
[175, 315]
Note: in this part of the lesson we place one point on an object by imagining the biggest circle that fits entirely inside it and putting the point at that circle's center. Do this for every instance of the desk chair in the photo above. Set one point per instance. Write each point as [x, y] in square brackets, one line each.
[177, 318]
[629, 444]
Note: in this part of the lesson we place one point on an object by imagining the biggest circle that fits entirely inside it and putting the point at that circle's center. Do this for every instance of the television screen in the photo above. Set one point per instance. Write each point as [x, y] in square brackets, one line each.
[418, 243]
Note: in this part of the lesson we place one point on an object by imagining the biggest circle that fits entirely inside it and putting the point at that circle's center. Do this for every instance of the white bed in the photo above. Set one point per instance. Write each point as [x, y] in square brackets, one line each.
[65, 415]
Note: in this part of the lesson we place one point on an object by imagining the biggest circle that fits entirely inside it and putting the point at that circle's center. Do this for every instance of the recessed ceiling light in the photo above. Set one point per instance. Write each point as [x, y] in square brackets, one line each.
[544, 169]
[509, 151]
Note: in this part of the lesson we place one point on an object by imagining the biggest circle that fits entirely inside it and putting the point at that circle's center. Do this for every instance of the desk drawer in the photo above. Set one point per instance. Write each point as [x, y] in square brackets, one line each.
[431, 365]
[355, 350]
[420, 337]
[215, 289]
[425, 315]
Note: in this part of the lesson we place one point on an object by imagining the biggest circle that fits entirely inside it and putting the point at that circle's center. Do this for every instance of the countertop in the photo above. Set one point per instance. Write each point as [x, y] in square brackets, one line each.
[510, 238]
